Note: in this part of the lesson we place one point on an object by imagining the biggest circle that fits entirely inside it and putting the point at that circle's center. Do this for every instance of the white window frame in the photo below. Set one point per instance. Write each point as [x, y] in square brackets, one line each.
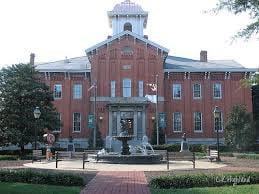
[77, 121]
[175, 97]
[181, 116]
[193, 91]
[77, 91]
[194, 121]
[222, 126]
[125, 89]
[141, 88]
[113, 88]
[60, 120]
[214, 87]
[55, 93]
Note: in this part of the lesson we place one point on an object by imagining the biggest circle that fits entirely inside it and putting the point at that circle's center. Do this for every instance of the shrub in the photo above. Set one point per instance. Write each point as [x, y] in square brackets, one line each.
[8, 157]
[168, 147]
[204, 180]
[29, 176]
[248, 156]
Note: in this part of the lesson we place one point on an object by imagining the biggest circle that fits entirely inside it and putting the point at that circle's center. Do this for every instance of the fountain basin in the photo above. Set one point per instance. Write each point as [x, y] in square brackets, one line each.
[131, 159]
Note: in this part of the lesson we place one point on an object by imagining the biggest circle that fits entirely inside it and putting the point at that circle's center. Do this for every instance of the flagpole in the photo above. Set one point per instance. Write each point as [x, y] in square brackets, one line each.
[157, 130]
[94, 138]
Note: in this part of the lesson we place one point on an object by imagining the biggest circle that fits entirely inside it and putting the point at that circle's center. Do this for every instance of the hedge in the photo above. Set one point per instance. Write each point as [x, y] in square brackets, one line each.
[8, 157]
[29, 176]
[248, 156]
[177, 147]
[204, 180]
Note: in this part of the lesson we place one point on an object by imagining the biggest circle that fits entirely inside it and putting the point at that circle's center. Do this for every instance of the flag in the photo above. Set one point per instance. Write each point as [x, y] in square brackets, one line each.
[92, 86]
[153, 87]
[151, 98]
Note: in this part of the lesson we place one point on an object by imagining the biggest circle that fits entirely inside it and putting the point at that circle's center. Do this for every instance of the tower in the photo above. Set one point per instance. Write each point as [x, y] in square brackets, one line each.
[128, 16]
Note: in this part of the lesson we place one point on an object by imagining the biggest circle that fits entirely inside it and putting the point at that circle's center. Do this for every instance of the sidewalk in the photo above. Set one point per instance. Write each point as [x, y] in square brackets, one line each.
[118, 182]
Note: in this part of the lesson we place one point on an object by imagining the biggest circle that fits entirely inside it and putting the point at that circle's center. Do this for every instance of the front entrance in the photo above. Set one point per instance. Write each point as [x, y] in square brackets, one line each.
[133, 118]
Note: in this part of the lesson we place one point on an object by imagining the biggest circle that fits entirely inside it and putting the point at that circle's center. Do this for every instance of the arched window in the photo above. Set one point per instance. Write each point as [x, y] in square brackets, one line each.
[128, 26]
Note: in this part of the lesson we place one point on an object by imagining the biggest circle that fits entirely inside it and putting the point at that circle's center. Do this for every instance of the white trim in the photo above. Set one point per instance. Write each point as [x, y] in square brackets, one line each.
[215, 97]
[81, 91]
[113, 81]
[196, 98]
[197, 131]
[190, 69]
[80, 122]
[57, 98]
[130, 82]
[177, 98]
[181, 123]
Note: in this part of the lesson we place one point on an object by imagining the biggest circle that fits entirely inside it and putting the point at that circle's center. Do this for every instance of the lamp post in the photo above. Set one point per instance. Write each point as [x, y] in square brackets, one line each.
[217, 115]
[36, 113]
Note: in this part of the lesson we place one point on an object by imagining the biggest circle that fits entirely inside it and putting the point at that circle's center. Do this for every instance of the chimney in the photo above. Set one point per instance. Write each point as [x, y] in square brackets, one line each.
[32, 57]
[203, 56]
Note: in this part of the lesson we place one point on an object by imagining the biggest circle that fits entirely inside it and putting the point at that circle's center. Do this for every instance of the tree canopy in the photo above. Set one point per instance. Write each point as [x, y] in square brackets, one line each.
[20, 92]
[240, 131]
[243, 6]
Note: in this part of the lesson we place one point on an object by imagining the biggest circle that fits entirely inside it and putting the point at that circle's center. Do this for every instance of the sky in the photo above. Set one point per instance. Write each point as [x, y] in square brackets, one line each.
[55, 29]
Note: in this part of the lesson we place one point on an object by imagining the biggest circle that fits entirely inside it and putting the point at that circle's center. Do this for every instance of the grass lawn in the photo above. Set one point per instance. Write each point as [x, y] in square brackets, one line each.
[23, 188]
[238, 189]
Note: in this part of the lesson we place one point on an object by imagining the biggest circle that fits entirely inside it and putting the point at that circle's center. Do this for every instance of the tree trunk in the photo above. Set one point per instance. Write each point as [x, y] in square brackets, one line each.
[22, 150]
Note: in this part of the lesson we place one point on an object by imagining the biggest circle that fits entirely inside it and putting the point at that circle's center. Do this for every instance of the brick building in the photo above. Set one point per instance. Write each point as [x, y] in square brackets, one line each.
[122, 66]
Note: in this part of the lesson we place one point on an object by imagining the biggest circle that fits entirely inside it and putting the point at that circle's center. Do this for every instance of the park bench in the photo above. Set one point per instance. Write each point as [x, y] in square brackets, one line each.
[163, 153]
[92, 154]
[180, 156]
[37, 155]
[61, 156]
[213, 155]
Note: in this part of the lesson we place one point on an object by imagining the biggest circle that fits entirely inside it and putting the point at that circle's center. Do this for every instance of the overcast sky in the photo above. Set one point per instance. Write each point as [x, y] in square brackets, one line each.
[54, 29]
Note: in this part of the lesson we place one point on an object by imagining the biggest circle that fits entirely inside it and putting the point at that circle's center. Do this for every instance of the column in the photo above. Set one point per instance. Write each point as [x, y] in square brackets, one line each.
[135, 119]
[118, 122]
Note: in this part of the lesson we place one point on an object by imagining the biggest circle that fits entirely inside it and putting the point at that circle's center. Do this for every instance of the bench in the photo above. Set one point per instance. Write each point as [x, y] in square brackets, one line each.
[37, 155]
[93, 153]
[163, 153]
[180, 156]
[60, 156]
[213, 155]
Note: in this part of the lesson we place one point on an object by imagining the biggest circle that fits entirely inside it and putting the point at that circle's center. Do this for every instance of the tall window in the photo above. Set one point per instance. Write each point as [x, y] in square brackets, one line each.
[218, 124]
[57, 91]
[77, 91]
[128, 26]
[140, 88]
[177, 91]
[114, 123]
[126, 88]
[59, 127]
[113, 88]
[197, 121]
[217, 90]
[196, 91]
[76, 122]
[177, 122]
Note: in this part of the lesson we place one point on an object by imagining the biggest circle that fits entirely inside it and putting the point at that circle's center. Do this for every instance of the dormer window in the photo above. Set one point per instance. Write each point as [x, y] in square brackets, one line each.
[128, 27]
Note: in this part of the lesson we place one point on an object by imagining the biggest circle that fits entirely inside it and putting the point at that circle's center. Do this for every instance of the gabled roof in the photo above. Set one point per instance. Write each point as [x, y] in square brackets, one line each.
[77, 64]
[179, 64]
[122, 34]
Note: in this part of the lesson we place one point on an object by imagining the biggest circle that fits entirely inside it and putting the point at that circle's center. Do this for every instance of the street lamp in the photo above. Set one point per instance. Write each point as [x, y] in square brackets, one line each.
[217, 114]
[36, 114]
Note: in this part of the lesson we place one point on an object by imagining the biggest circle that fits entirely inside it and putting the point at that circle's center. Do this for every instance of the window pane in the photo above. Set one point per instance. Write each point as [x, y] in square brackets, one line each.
[77, 91]
[197, 121]
[77, 121]
[57, 91]
[218, 124]
[177, 91]
[59, 118]
[177, 121]
[113, 89]
[114, 123]
[126, 88]
[217, 90]
[196, 90]
[140, 88]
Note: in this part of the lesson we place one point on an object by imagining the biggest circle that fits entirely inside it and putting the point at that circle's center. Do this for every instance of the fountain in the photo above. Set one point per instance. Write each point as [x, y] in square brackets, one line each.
[131, 154]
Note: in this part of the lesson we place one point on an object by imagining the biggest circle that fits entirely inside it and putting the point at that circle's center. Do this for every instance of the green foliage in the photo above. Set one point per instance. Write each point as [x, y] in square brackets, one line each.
[248, 156]
[154, 135]
[203, 180]
[20, 92]
[8, 157]
[177, 147]
[99, 140]
[250, 7]
[23, 188]
[29, 176]
[240, 129]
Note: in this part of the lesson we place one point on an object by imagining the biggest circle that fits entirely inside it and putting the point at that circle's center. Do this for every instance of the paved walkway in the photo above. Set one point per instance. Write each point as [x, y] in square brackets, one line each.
[118, 182]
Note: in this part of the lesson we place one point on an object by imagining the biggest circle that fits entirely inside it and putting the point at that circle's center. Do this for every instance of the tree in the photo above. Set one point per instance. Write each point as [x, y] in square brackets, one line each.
[154, 135]
[243, 6]
[240, 129]
[20, 92]
[99, 140]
